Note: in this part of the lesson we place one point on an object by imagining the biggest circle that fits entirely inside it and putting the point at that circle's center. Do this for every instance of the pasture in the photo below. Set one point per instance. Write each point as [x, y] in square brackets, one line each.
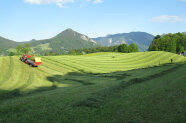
[100, 87]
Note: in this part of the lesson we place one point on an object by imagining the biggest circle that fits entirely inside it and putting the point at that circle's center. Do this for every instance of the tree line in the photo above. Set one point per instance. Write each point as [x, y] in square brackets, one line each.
[22, 49]
[124, 48]
[175, 43]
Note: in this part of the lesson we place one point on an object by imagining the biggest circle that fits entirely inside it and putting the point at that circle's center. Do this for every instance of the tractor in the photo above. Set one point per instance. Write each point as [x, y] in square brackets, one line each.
[31, 60]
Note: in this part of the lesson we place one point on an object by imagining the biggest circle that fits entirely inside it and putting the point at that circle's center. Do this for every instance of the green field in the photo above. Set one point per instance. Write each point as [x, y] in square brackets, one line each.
[100, 87]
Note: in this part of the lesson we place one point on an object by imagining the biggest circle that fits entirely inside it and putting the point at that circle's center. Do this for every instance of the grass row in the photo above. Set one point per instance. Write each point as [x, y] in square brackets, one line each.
[17, 75]
[145, 95]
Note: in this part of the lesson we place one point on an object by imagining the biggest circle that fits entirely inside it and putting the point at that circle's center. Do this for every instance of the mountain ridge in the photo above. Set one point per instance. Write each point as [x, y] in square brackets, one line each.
[61, 43]
[69, 39]
[142, 39]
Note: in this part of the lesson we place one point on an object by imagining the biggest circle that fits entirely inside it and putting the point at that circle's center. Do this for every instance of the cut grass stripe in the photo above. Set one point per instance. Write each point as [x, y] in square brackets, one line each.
[98, 99]
[57, 63]
[8, 75]
[28, 82]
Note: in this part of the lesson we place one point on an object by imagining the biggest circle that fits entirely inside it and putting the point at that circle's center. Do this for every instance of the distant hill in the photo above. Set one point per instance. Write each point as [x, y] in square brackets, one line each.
[6, 43]
[69, 40]
[142, 39]
[63, 42]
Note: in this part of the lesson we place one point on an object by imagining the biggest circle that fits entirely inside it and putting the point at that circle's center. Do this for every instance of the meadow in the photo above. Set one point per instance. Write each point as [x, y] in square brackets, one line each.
[99, 87]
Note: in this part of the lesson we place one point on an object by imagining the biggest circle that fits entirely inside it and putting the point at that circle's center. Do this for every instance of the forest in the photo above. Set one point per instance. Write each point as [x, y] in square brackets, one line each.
[125, 48]
[175, 43]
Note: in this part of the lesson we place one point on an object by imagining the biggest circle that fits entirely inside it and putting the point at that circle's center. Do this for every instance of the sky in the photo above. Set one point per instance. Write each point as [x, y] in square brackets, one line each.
[23, 20]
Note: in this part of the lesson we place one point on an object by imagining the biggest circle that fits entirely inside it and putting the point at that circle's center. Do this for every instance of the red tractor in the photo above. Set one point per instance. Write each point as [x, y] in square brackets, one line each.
[31, 60]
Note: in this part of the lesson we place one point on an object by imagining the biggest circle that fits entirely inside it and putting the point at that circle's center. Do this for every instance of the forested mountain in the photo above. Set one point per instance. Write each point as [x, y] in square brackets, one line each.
[142, 39]
[6, 44]
[175, 43]
[69, 40]
[61, 43]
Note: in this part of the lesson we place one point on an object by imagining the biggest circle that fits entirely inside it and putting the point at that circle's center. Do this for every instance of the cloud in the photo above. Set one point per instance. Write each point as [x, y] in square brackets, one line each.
[167, 18]
[97, 1]
[183, 0]
[59, 3]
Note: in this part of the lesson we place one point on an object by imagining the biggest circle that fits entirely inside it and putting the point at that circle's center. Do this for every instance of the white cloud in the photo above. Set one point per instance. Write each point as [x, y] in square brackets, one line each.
[59, 3]
[183, 0]
[167, 18]
[97, 1]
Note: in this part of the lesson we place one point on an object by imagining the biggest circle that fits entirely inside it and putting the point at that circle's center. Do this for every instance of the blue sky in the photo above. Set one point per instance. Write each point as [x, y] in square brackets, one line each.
[23, 20]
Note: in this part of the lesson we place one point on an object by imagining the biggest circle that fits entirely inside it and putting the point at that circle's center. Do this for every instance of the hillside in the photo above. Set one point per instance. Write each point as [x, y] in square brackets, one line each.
[89, 86]
[63, 42]
[6, 44]
[142, 39]
[69, 40]
[90, 63]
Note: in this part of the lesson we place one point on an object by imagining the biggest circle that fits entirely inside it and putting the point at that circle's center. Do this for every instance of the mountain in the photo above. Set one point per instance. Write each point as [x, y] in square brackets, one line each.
[61, 43]
[69, 39]
[142, 39]
[6, 43]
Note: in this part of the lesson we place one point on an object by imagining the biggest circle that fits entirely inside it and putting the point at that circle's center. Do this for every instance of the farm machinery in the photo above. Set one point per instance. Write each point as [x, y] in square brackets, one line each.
[31, 60]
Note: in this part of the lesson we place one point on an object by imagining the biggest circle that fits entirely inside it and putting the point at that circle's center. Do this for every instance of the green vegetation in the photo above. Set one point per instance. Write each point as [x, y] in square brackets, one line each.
[175, 43]
[25, 49]
[6, 44]
[11, 54]
[77, 43]
[62, 43]
[69, 40]
[99, 87]
[93, 50]
[142, 39]
[125, 48]
[42, 49]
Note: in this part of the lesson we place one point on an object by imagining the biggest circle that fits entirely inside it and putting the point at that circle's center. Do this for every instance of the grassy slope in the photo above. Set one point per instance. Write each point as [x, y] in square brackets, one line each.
[63, 42]
[6, 43]
[90, 89]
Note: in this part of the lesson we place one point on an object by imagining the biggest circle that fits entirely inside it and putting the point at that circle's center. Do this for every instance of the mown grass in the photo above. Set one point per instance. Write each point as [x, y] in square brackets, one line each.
[94, 88]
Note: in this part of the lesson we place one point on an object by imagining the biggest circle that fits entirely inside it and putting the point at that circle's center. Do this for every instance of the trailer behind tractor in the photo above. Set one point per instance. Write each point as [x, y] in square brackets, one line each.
[31, 60]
